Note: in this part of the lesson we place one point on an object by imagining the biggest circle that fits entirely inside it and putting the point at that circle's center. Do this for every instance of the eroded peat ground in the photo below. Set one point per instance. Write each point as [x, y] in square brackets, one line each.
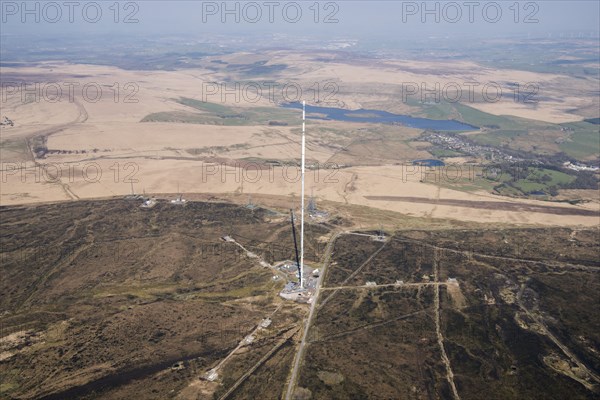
[496, 314]
[105, 300]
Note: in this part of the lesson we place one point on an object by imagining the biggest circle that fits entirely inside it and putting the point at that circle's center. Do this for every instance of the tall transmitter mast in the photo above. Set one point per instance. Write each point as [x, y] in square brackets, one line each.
[302, 196]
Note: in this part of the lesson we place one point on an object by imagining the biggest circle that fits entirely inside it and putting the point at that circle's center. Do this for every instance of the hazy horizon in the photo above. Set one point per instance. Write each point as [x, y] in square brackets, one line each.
[352, 19]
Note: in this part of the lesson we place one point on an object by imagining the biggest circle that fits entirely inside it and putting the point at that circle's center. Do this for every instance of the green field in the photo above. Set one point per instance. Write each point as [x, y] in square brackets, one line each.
[441, 110]
[440, 153]
[206, 113]
[585, 141]
[473, 116]
[498, 137]
[536, 180]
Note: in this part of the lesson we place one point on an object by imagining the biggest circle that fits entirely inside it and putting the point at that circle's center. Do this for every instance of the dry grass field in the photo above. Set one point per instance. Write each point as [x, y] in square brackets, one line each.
[96, 149]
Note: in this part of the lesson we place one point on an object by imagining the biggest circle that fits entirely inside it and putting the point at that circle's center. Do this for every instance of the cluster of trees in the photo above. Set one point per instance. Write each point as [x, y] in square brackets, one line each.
[584, 180]
[529, 171]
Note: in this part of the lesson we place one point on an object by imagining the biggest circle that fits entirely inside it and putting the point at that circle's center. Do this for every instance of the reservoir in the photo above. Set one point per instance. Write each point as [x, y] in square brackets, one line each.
[381, 117]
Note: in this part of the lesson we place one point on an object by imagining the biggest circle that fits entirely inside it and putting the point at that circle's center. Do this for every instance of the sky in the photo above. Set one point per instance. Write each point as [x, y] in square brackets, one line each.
[331, 19]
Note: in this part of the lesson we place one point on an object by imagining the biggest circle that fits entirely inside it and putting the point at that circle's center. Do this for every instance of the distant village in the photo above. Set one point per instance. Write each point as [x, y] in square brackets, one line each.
[580, 167]
[460, 144]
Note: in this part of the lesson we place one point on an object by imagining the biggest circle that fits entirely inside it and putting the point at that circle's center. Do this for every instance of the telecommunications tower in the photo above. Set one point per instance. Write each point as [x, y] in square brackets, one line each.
[302, 196]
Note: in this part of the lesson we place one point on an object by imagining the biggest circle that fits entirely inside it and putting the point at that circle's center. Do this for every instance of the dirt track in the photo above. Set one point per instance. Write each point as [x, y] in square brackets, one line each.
[491, 205]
